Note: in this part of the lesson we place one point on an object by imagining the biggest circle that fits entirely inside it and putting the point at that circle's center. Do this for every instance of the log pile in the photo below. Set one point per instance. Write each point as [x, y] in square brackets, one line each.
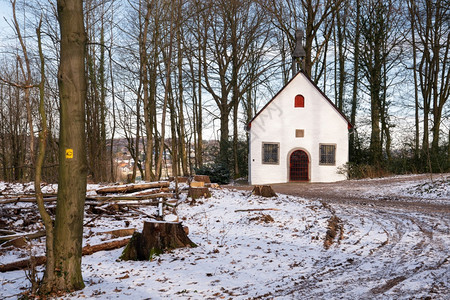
[119, 202]
[87, 250]
[199, 187]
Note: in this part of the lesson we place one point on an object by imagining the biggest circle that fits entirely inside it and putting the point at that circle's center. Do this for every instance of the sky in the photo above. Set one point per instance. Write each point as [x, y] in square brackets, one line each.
[5, 11]
[5, 29]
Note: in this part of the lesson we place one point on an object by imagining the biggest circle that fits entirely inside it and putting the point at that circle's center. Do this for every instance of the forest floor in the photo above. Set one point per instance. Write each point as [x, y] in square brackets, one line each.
[385, 238]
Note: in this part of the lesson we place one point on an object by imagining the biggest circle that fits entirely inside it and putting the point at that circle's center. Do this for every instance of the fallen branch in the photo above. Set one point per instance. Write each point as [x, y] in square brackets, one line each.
[256, 209]
[87, 250]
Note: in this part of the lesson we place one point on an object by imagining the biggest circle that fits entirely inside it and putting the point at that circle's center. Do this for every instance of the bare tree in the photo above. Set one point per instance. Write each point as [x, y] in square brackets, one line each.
[232, 27]
[310, 15]
[432, 44]
[96, 107]
[63, 267]
[27, 80]
[354, 104]
[381, 41]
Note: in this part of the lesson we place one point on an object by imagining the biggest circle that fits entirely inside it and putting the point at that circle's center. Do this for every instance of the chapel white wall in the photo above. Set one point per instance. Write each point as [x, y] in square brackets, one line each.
[277, 124]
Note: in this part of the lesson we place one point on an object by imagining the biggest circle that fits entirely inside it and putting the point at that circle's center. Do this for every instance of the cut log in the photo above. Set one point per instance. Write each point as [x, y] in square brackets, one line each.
[263, 190]
[127, 198]
[127, 188]
[212, 185]
[156, 237]
[197, 184]
[27, 199]
[151, 192]
[120, 232]
[204, 178]
[182, 179]
[22, 264]
[33, 235]
[87, 250]
[19, 242]
[199, 192]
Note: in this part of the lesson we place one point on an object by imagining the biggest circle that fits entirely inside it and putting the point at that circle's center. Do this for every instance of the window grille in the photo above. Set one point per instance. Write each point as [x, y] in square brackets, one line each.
[270, 153]
[327, 154]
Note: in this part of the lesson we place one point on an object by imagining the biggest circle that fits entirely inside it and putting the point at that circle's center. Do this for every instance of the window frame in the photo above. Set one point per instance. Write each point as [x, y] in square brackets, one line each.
[327, 163]
[301, 101]
[299, 133]
[277, 162]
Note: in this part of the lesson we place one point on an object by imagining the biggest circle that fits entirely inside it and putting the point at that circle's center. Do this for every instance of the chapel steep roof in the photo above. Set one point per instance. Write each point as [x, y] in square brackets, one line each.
[350, 126]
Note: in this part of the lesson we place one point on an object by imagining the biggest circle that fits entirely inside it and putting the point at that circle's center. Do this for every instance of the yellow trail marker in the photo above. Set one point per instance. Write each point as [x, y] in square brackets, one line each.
[69, 153]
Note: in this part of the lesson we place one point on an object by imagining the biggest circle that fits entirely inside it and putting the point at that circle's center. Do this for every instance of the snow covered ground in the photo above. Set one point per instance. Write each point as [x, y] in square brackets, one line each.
[251, 247]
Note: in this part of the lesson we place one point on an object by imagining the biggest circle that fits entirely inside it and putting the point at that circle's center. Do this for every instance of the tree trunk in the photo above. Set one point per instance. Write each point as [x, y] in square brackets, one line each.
[198, 153]
[173, 130]
[145, 82]
[46, 218]
[341, 27]
[353, 141]
[412, 8]
[64, 273]
[168, 62]
[181, 125]
[235, 139]
[27, 81]
[224, 151]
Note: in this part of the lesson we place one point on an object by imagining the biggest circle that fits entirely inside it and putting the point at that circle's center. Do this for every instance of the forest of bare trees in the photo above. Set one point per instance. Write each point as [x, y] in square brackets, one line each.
[169, 76]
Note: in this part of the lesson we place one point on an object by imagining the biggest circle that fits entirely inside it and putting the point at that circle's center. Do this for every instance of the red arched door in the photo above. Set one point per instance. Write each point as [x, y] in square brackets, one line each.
[298, 166]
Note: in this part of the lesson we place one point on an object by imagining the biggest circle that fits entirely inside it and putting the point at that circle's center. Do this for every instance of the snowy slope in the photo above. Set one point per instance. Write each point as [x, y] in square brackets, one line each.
[273, 253]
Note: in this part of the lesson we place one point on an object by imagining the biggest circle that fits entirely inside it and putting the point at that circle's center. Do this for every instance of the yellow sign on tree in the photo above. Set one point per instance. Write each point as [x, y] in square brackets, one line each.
[69, 153]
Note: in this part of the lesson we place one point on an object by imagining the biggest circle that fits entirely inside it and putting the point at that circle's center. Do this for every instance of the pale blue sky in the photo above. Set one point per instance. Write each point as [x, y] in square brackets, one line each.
[5, 12]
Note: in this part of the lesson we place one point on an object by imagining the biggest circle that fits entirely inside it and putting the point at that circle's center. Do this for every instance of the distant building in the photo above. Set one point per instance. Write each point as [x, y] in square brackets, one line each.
[299, 135]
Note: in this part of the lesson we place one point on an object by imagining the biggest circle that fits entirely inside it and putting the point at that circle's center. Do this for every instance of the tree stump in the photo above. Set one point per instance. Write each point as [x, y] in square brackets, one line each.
[264, 190]
[199, 192]
[156, 237]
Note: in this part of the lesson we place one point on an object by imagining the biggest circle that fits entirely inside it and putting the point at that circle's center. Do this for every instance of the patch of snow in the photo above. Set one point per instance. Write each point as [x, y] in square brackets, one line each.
[242, 253]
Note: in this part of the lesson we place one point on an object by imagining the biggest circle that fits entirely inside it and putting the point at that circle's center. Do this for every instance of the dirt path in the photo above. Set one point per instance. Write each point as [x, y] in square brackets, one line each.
[399, 241]
[374, 192]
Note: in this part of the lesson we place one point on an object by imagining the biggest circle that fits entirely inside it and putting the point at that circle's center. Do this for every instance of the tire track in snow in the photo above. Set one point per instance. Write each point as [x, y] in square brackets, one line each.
[415, 245]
